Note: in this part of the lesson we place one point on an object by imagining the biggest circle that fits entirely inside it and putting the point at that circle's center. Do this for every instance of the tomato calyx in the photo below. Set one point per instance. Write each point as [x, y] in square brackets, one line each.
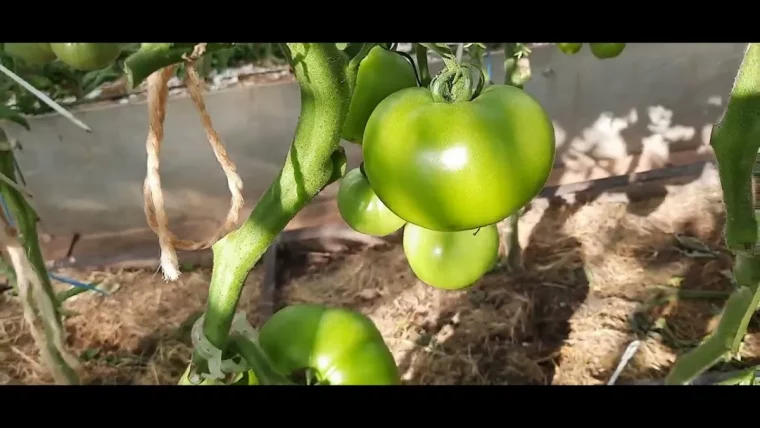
[455, 84]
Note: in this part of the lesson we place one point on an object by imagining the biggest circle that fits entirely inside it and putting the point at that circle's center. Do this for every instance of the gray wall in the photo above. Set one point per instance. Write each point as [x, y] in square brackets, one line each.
[651, 106]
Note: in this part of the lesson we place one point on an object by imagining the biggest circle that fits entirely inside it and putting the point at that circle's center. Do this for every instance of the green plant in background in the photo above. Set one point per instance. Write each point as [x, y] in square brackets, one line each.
[69, 86]
[417, 165]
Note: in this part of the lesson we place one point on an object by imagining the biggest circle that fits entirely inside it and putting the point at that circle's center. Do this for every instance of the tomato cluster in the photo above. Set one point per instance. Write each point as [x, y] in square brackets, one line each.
[446, 170]
[80, 56]
[599, 50]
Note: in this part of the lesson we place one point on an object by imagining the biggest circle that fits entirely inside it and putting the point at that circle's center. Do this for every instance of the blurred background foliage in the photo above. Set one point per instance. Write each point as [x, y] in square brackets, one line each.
[70, 87]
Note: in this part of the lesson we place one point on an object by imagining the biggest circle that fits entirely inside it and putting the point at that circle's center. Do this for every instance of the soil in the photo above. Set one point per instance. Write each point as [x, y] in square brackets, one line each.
[593, 276]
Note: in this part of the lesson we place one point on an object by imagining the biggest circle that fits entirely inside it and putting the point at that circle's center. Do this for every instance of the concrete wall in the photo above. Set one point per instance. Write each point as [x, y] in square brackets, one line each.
[651, 106]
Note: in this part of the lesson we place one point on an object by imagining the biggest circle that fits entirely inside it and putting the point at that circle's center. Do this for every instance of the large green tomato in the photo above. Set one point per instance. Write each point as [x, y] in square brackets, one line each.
[451, 260]
[462, 165]
[381, 73]
[31, 53]
[87, 56]
[570, 48]
[362, 210]
[339, 346]
[606, 50]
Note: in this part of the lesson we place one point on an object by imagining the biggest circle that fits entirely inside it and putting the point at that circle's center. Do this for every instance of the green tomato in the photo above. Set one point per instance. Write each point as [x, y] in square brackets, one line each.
[570, 48]
[338, 346]
[451, 260]
[87, 56]
[362, 210]
[381, 73]
[606, 50]
[31, 53]
[462, 165]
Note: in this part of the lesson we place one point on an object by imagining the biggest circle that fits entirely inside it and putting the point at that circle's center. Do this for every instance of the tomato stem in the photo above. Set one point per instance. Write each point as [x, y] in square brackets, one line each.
[422, 64]
[259, 362]
[414, 66]
[155, 56]
[322, 75]
[454, 84]
[512, 77]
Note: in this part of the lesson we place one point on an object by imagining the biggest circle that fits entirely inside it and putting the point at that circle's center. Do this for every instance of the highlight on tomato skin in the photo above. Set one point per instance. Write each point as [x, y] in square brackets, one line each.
[451, 260]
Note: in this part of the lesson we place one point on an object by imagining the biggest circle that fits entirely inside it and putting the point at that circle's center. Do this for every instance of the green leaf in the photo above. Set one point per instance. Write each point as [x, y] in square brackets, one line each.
[341, 46]
[14, 116]
[38, 81]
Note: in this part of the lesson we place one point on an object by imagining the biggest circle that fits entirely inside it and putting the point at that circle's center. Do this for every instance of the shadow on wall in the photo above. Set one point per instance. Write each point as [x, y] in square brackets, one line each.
[610, 117]
[632, 112]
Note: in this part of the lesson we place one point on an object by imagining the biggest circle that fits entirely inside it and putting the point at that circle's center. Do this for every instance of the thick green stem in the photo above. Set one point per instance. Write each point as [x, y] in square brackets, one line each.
[736, 140]
[422, 64]
[321, 72]
[155, 56]
[259, 362]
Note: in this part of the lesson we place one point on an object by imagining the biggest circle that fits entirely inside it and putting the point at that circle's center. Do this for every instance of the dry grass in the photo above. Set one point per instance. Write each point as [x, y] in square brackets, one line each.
[590, 270]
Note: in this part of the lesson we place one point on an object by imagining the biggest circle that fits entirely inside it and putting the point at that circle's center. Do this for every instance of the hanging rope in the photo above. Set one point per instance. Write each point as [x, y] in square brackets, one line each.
[155, 212]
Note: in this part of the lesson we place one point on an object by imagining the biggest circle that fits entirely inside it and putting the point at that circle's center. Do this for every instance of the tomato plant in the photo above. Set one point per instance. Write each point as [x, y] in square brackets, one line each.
[31, 53]
[461, 165]
[322, 345]
[445, 161]
[606, 50]
[450, 260]
[570, 48]
[86, 56]
[362, 210]
[381, 73]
